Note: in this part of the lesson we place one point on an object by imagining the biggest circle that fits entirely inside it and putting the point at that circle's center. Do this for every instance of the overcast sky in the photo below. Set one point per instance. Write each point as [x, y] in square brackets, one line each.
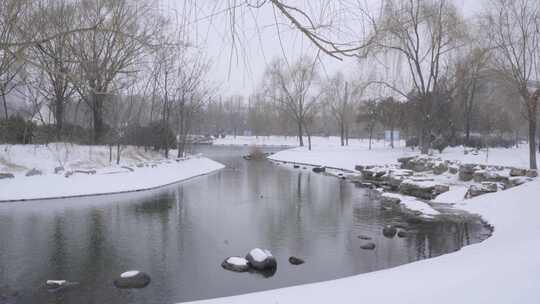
[239, 70]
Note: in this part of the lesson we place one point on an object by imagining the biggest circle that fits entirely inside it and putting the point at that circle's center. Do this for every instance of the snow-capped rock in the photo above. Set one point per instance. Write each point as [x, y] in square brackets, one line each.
[237, 264]
[261, 259]
[132, 279]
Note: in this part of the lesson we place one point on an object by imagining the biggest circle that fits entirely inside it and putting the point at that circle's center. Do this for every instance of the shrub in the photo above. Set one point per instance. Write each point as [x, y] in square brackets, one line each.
[440, 143]
[16, 130]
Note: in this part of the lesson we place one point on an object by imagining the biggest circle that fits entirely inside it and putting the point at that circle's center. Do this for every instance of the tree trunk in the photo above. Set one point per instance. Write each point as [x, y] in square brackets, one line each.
[532, 139]
[5, 105]
[370, 136]
[300, 134]
[425, 139]
[392, 137]
[59, 116]
[97, 113]
[342, 132]
[118, 153]
[110, 154]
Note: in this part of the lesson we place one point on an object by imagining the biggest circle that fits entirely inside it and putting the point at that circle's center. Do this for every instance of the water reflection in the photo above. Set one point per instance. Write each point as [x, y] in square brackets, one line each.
[181, 234]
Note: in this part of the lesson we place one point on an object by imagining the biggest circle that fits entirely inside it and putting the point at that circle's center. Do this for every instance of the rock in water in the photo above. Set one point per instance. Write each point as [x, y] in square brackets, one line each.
[132, 279]
[261, 259]
[296, 261]
[237, 264]
[319, 169]
[364, 237]
[55, 284]
[389, 231]
[402, 234]
[368, 246]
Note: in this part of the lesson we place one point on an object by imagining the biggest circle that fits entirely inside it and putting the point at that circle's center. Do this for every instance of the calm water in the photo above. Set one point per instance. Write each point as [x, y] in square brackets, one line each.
[180, 235]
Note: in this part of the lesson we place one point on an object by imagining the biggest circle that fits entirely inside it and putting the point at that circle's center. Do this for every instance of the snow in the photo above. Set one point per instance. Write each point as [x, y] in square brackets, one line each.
[260, 255]
[505, 268]
[56, 282]
[420, 184]
[413, 204]
[456, 194]
[49, 185]
[292, 141]
[18, 159]
[129, 274]
[237, 261]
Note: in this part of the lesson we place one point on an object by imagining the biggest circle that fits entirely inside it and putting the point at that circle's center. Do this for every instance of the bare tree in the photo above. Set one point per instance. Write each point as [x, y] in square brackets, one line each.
[423, 33]
[369, 113]
[388, 113]
[513, 28]
[11, 19]
[468, 73]
[112, 49]
[339, 95]
[292, 89]
[54, 56]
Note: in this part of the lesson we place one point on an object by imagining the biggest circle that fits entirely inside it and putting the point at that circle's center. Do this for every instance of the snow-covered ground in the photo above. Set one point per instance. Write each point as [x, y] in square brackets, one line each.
[18, 159]
[348, 157]
[292, 141]
[503, 269]
[138, 171]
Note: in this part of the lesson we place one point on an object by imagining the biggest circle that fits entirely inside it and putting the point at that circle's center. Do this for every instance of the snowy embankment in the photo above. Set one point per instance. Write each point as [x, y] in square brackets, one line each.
[85, 170]
[505, 268]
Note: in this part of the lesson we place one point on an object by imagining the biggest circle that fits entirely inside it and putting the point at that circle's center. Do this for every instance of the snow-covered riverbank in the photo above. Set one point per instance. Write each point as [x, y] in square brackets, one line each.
[85, 171]
[503, 269]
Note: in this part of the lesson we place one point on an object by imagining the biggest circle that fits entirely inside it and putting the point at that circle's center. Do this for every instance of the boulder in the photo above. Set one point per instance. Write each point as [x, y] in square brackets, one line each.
[319, 169]
[58, 169]
[368, 246]
[359, 168]
[453, 169]
[296, 166]
[237, 264]
[55, 285]
[531, 173]
[422, 189]
[261, 259]
[483, 188]
[389, 231]
[517, 180]
[517, 172]
[404, 161]
[466, 172]
[487, 175]
[295, 260]
[6, 175]
[439, 167]
[390, 199]
[364, 237]
[132, 279]
[33, 172]
[374, 174]
[402, 234]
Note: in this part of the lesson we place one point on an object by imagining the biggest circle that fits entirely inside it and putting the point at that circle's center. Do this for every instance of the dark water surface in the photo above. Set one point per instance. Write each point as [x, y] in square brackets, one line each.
[181, 234]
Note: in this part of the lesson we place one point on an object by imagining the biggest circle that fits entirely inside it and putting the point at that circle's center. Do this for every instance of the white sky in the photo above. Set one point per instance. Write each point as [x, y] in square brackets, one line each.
[259, 41]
